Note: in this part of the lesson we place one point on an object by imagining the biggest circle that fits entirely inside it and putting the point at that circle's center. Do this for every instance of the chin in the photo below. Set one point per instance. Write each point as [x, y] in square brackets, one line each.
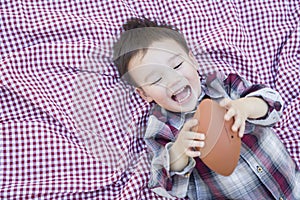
[188, 108]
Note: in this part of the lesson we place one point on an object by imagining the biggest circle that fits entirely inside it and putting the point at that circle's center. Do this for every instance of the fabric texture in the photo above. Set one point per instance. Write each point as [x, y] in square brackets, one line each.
[70, 129]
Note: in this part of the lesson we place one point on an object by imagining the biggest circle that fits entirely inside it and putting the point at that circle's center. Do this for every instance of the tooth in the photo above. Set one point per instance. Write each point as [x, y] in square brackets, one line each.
[187, 96]
[179, 91]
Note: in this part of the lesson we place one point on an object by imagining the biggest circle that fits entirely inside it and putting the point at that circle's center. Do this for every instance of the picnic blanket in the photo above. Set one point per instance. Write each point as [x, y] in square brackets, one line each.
[71, 129]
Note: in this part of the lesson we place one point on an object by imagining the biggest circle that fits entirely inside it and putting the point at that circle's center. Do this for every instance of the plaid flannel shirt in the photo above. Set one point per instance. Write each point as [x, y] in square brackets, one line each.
[265, 169]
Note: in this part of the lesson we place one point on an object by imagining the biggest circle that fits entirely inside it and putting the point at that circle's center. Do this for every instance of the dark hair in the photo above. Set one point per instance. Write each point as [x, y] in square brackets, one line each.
[138, 35]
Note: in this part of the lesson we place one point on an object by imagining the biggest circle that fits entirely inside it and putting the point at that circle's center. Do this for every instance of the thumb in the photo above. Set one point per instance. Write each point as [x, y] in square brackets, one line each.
[225, 103]
[190, 124]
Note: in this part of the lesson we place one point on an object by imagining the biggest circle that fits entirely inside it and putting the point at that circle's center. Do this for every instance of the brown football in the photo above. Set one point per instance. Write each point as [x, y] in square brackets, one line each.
[222, 146]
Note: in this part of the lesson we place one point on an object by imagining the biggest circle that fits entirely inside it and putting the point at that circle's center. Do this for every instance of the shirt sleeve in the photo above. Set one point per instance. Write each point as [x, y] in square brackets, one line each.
[159, 138]
[234, 86]
[275, 106]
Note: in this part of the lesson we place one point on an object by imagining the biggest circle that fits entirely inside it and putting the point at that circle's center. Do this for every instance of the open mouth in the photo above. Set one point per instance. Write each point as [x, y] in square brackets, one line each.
[182, 94]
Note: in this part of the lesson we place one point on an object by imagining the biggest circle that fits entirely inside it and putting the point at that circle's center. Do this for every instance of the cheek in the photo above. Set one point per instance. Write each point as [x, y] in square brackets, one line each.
[192, 76]
[155, 92]
[196, 84]
[159, 94]
[194, 80]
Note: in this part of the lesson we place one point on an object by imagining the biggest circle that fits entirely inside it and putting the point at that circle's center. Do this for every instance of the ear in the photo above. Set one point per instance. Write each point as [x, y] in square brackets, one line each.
[194, 61]
[143, 94]
[192, 57]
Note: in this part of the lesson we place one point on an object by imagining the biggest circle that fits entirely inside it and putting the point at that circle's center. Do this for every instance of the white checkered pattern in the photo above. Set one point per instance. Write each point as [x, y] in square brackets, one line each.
[71, 130]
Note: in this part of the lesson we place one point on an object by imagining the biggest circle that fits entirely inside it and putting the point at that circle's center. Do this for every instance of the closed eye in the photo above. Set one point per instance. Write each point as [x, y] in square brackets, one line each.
[177, 66]
[153, 83]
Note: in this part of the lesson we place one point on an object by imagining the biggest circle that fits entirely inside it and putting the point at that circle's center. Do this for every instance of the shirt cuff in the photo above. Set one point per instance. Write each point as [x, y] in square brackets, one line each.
[185, 172]
[275, 104]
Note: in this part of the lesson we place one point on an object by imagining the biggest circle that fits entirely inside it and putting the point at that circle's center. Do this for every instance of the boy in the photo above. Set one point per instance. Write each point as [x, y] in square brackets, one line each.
[157, 61]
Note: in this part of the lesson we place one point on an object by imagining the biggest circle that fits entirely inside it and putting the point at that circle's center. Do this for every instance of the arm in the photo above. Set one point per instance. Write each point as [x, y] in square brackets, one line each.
[170, 166]
[255, 107]
[184, 146]
[243, 109]
[257, 104]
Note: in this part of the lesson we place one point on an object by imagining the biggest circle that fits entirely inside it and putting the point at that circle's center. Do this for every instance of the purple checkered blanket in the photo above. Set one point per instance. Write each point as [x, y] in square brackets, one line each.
[70, 129]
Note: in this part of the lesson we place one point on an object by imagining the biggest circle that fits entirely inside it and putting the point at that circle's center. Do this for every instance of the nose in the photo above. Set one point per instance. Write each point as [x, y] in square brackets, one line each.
[173, 80]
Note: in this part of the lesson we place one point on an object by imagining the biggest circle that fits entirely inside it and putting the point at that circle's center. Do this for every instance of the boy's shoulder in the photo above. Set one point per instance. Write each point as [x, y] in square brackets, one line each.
[159, 113]
[220, 76]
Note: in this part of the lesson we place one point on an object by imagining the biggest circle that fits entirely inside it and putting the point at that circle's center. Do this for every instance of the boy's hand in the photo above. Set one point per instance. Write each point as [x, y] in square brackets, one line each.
[242, 109]
[238, 110]
[186, 145]
[187, 141]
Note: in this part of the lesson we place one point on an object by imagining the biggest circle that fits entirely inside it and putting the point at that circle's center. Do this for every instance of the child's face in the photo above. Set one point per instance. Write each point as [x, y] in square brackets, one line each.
[167, 75]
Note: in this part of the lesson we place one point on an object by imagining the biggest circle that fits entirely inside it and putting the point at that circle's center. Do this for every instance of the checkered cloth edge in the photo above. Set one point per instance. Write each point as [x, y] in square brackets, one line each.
[70, 129]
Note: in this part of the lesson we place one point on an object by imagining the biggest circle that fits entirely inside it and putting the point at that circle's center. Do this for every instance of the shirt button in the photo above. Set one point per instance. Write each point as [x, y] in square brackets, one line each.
[277, 105]
[187, 175]
[259, 169]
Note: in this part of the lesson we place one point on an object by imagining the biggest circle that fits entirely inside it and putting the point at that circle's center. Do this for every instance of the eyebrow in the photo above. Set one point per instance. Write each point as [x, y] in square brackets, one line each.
[148, 76]
[173, 57]
[169, 60]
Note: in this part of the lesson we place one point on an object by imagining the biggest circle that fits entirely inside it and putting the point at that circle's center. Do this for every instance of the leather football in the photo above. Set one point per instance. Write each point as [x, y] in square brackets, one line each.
[222, 145]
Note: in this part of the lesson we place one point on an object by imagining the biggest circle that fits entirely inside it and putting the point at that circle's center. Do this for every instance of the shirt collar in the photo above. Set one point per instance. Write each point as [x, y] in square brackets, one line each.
[177, 119]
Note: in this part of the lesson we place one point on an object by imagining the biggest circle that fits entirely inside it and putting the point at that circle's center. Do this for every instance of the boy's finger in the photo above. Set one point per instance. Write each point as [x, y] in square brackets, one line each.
[195, 135]
[192, 153]
[242, 130]
[229, 114]
[200, 136]
[196, 143]
[237, 124]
